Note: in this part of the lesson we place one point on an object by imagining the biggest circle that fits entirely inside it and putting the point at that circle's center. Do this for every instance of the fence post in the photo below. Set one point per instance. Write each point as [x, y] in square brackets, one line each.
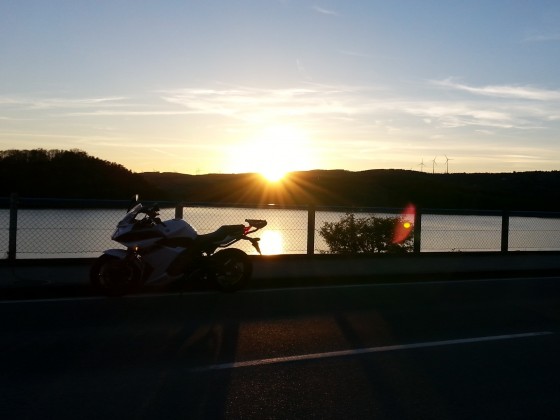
[417, 230]
[310, 229]
[179, 211]
[505, 231]
[12, 241]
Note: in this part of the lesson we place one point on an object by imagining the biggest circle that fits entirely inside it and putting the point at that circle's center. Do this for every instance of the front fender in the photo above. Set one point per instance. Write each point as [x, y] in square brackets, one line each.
[123, 254]
[116, 252]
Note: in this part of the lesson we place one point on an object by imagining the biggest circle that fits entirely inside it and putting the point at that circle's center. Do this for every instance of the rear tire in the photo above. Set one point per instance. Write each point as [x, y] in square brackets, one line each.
[233, 269]
[113, 276]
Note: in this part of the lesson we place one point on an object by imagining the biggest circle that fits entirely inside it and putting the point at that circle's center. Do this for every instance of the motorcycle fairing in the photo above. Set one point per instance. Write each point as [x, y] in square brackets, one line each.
[138, 236]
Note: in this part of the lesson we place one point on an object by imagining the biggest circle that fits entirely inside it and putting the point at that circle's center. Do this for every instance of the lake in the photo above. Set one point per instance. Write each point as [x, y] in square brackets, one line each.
[86, 233]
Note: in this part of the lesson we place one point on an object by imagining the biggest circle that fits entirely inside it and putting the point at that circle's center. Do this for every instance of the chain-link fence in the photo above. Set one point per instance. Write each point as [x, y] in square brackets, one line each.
[285, 232]
[4, 232]
[82, 229]
[461, 232]
[534, 231]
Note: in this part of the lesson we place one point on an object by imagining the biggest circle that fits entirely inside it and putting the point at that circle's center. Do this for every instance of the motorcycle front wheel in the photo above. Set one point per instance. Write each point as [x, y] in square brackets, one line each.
[233, 269]
[113, 276]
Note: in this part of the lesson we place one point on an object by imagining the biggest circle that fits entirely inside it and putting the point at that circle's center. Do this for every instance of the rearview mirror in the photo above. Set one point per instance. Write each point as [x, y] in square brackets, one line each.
[133, 202]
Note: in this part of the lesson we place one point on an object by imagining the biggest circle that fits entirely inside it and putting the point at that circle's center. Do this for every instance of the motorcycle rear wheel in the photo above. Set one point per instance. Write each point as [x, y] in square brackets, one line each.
[114, 277]
[233, 269]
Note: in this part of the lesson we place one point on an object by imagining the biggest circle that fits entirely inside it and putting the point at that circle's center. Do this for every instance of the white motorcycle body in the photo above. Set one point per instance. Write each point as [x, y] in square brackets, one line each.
[160, 252]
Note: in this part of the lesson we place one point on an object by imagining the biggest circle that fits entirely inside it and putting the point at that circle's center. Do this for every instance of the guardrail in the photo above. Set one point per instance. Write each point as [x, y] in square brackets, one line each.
[78, 228]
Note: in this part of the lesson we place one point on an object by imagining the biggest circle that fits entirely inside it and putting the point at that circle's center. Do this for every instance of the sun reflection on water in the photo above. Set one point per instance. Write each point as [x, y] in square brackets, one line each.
[272, 242]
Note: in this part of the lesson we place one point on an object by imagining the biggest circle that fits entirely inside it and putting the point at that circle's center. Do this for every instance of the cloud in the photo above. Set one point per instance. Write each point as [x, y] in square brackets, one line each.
[252, 104]
[124, 113]
[454, 114]
[355, 54]
[81, 107]
[324, 11]
[302, 70]
[24, 102]
[504, 91]
[330, 109]
[543, 38]
[365, 109]
[494, 106]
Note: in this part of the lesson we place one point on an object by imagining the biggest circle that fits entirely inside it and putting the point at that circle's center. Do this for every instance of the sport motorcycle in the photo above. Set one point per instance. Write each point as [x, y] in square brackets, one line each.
[163, 252]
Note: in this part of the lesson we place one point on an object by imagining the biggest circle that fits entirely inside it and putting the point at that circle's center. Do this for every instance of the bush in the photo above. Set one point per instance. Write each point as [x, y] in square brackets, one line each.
[352, 235]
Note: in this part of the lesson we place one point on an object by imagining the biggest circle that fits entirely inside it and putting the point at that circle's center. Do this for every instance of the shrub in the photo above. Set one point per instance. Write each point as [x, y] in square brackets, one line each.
[353, 235]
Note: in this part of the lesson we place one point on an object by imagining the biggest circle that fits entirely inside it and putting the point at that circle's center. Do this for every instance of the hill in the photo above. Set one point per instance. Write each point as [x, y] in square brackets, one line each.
[373, 188]
[68, 174]
[75, 174]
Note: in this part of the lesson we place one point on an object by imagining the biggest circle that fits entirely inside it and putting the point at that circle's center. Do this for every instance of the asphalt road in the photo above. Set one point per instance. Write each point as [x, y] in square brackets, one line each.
[442, 350]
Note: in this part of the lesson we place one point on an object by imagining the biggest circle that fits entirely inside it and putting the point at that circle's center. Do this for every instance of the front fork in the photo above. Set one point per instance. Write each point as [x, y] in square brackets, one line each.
[131, 256]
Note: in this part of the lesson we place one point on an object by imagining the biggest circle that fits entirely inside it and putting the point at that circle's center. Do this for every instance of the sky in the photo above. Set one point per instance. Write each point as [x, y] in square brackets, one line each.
[230, 86]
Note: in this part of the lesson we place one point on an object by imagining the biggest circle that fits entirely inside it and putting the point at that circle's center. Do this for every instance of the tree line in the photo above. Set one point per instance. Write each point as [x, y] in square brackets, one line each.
[68, 174]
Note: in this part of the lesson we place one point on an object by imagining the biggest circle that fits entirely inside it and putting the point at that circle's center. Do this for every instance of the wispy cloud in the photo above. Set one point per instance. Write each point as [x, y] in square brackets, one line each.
[504, 91]
[360, 110]
[252, 104]
[124, 113]
[460, 115]
[355, 54]
[324, 11]
[81, 107]
[25, 102]
[358, 106]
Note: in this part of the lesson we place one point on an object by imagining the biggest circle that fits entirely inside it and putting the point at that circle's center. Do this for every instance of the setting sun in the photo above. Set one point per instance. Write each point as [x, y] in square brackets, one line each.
[284, 148]
[273, 175]
[277, 150]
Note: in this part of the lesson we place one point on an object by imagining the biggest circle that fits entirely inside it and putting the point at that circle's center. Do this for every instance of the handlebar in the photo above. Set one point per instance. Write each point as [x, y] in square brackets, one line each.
[152, 213]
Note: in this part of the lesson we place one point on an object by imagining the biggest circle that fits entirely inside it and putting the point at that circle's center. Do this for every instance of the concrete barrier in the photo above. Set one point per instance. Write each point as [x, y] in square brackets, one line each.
[409, 264]
[301, 269]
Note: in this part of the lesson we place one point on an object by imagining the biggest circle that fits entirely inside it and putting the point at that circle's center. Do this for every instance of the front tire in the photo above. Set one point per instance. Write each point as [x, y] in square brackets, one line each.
[233, 269]
[113, 276]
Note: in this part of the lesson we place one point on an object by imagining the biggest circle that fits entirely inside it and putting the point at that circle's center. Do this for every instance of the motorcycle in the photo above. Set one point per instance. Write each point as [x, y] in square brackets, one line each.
[162, 252]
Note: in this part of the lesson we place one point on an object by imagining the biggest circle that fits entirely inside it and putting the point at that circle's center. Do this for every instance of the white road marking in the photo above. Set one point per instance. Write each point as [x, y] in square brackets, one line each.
[354, 352]
[115, 299]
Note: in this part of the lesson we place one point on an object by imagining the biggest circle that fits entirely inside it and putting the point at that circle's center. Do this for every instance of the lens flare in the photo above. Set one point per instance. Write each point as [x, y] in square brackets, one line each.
[404, 228]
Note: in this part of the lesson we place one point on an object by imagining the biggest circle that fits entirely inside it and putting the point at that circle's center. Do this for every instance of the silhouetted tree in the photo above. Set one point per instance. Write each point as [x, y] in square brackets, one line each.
[355, 235]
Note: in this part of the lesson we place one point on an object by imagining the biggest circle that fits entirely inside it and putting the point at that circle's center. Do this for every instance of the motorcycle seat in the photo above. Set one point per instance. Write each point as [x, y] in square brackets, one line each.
[221, 233]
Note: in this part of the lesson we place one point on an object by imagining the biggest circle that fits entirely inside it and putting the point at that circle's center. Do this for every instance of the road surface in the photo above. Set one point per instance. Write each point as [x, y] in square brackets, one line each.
[438, 350]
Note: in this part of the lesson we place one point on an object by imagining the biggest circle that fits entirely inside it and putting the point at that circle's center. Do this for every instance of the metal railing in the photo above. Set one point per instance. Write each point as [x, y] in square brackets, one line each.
[51, 228]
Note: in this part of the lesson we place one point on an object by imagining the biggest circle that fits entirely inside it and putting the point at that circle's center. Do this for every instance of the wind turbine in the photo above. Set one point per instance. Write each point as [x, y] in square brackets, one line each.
[447, 164]
[434, 165]
[421, 164]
